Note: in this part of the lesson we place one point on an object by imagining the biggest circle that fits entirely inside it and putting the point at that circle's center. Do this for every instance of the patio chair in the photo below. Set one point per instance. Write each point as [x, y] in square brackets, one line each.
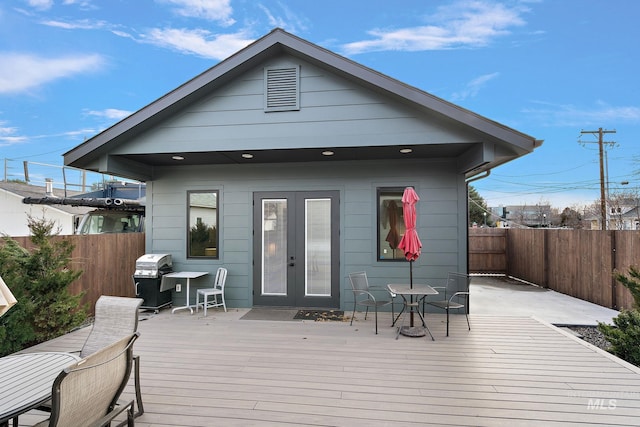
[360, 287]
[215, 292]
[115, 317]
[87, 393]
[457, 289]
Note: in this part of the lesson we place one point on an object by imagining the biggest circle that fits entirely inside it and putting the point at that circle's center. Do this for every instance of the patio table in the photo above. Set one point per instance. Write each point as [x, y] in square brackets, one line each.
[419, 291]
[27, 380]
[186, 275]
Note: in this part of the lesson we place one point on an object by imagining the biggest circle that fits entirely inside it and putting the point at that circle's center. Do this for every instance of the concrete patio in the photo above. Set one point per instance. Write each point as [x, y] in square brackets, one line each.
[508, 370]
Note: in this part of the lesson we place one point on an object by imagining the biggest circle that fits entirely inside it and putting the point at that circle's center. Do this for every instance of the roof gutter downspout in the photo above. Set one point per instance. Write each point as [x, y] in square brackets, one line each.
[483, 175]
[468, 181]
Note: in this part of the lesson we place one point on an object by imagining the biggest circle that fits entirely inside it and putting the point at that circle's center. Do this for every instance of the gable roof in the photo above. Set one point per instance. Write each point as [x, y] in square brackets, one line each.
[91, 154]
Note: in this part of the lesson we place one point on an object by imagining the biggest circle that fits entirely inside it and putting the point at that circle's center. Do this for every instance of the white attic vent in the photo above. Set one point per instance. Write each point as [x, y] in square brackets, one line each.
[282, 88]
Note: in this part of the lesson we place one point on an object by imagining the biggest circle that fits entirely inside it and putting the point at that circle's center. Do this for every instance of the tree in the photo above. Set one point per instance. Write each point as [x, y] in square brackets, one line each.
[570, 218]
[477, 208]
[39, 278]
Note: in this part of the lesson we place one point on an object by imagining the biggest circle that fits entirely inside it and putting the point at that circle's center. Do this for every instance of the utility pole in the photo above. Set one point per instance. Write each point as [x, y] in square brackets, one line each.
[603, 201]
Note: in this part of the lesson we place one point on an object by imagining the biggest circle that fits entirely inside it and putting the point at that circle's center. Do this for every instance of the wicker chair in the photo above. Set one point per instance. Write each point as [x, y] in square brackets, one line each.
[115, 317]
[87, 393]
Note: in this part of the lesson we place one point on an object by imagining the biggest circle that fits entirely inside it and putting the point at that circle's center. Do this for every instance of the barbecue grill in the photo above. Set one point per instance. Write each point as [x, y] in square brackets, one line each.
[149, 283]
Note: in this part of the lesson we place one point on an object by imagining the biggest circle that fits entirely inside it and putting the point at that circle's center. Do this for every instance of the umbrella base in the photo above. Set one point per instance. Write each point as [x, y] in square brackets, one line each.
[413, 331]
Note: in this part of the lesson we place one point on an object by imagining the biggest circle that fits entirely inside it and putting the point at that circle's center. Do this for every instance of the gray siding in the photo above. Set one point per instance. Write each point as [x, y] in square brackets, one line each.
[442, 211]
[334, 112]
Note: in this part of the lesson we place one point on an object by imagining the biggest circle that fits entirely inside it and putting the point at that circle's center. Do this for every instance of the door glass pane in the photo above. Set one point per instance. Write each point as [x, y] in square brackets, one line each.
[318, 247]
[274, 247]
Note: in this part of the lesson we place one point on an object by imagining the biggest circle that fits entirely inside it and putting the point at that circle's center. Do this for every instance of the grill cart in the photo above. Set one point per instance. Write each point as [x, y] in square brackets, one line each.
[149, 283]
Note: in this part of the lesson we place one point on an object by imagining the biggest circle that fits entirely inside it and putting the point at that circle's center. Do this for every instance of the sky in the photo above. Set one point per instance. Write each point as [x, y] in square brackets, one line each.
[551, 69]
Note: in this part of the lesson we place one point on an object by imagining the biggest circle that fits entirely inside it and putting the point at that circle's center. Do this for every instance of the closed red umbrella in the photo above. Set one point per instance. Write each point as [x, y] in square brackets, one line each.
[410, 242]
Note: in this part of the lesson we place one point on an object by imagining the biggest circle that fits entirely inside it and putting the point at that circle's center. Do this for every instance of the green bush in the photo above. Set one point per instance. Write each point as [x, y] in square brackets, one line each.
[624, 336]
[39, 279]
[631, 282]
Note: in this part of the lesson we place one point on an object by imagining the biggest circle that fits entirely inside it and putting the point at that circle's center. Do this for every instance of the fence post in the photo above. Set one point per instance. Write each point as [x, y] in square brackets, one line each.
[545, 259]
[614, 265]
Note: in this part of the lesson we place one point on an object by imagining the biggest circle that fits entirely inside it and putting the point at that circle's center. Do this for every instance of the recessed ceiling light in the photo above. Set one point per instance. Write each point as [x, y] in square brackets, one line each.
[328, 153]
[247, 156]
[177, 157]
[406, 150]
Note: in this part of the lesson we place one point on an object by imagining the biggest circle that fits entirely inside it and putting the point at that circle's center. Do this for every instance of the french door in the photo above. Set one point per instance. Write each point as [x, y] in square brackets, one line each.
[296, 249]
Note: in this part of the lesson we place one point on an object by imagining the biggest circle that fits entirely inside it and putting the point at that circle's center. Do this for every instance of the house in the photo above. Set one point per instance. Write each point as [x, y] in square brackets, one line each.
[522, 216]
[623, 213]
[302, 157]
[15, 214]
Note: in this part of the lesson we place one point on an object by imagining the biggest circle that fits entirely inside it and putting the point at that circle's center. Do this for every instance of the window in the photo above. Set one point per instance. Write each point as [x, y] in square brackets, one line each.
[202, 234]
[390, 224]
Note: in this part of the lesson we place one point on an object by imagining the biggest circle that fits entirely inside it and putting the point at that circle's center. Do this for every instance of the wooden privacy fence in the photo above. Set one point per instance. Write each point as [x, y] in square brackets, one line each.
[579, 263]
[107, 262]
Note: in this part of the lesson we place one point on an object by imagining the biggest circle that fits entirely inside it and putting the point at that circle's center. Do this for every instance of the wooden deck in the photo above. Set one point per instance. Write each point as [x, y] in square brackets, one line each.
[507, 371]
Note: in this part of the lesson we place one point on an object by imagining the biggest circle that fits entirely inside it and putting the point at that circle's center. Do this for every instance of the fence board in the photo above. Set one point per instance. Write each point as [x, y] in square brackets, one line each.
[526, 255]
[487, 250]
[106, 260]
[627, 254]
[579, 263]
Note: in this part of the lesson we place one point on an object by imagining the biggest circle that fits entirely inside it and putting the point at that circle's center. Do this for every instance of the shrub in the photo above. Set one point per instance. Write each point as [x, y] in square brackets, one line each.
[39, 280]
[624, 336]
[631, 282]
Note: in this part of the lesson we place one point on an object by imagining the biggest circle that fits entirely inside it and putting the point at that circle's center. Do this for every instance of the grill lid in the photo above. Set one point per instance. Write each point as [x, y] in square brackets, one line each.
[150, 265]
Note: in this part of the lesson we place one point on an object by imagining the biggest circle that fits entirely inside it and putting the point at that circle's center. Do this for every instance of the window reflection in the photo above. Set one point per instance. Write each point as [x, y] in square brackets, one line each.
[390, 223]
[202, 240]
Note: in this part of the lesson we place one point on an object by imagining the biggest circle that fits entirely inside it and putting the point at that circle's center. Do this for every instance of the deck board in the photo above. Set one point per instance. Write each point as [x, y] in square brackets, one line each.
[506, 371]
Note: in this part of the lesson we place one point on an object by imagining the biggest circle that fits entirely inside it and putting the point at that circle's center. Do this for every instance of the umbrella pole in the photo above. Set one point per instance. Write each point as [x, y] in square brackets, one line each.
[411, 286]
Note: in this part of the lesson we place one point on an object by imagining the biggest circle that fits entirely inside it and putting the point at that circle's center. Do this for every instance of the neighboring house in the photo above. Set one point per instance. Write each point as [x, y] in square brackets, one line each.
[622, 214]
[14, 213]
[303, 156]
[522, 216]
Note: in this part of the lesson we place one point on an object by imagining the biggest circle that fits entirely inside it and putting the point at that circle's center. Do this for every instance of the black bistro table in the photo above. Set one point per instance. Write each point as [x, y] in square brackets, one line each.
[27, 380]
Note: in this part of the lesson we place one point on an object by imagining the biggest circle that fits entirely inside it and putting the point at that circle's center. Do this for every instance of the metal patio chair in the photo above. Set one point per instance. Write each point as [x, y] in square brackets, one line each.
[360, 288]
[456, 295]
[87, 393]
[215, 292]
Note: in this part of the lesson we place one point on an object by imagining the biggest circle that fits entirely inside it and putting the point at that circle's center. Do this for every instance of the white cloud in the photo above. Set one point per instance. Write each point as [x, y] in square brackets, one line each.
[110, 113]
[8, 135]
[199, 42]
[40, 4]
[469, 23]
[289, 22]
[602, 114]
[83, 24]
[22, 72]
[214, 10]
[474, 86]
